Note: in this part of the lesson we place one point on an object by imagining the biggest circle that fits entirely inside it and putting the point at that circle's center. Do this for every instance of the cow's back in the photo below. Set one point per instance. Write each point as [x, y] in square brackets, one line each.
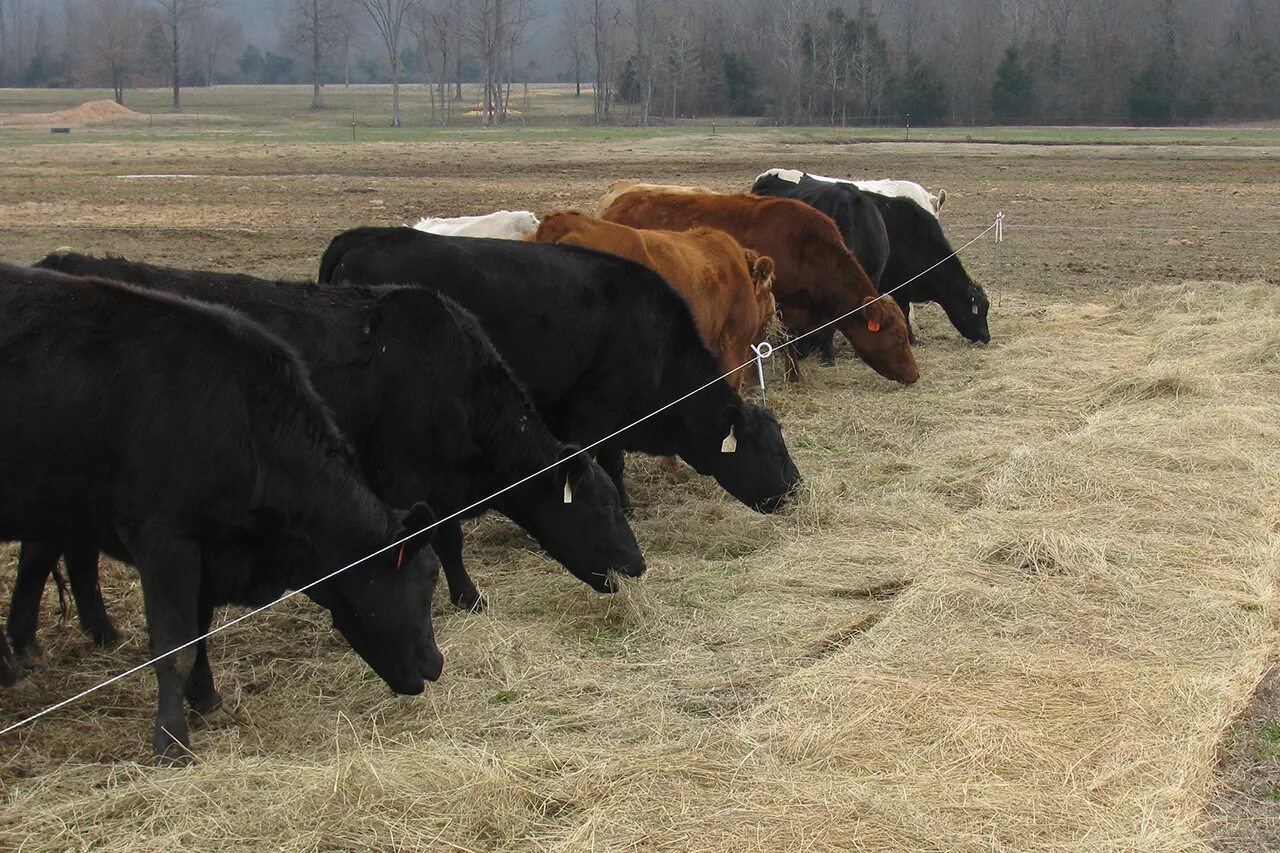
[158, 404]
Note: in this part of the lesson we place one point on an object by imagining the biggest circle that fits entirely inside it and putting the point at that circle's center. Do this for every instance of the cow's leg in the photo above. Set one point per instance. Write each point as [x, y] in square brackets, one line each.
[36, 562]
[827, 347]
[10, 672]
[613, 461]
[201, 695]
[169, 567]
[448, 547]
[82, 570]
[905, 305]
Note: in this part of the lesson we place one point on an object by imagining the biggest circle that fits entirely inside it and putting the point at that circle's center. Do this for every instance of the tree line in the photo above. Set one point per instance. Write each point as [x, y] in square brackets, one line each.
[813, 62]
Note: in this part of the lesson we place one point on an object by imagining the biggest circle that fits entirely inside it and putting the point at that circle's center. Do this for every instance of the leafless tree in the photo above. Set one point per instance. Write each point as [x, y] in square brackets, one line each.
[175, 15]
[114, 38]
[495, 29]
[605, 19]
[315, 26]
[437, 25]
[575, 36]
[389, 18]
[214, 38]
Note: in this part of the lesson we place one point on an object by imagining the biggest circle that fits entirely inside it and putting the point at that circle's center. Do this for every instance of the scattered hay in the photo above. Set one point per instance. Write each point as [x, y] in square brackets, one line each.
[1013, 609]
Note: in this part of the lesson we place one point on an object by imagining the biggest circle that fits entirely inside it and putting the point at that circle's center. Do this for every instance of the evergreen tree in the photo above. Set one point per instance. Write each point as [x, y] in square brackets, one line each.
[1012, 99]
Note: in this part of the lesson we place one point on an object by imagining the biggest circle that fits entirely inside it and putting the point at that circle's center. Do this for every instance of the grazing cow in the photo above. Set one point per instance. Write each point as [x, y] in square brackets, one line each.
[187, 440]
[816, 279]
[917, 247]
[884, 186]
[432, 410]
[599, 341]
[501, 225]
[728, 288]
[860, 224]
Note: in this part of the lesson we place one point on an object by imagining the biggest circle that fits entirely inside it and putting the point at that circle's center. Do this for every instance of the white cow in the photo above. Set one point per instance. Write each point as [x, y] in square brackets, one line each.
[503, 224]
[885, 186]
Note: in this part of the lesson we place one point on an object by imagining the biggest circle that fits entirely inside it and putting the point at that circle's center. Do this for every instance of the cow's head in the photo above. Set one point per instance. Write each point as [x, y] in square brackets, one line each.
[967, 308]
[383, 606]
[741, 446]
[878, 334]
[575, 513]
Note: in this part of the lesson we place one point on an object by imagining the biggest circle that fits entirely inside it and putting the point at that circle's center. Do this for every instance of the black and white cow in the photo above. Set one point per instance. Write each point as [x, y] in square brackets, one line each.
[187, 440]
[432, 410]
[917, 244]
[599, 341]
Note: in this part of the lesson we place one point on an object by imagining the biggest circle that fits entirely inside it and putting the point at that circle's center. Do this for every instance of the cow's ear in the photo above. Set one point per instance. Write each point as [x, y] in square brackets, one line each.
[575, 465]
[942, 199]
[762, 273]
[873, 313]
[415, 524]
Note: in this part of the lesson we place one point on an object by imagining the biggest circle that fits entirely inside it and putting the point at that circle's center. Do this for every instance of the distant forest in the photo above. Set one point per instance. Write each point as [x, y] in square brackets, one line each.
[813, 62]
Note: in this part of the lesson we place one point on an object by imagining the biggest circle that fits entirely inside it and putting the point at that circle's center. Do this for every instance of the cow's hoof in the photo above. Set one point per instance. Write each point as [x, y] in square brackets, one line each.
[175, 756]
[471, 603]
[24, 687]
[205, 707]
[105, 638]
[30, 656]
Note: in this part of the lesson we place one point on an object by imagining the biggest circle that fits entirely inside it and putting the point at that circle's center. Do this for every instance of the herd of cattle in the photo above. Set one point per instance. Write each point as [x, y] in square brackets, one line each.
[233, 437]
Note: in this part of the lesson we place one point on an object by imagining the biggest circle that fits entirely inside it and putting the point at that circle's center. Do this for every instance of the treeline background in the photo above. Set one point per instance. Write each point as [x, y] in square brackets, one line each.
[859, 62]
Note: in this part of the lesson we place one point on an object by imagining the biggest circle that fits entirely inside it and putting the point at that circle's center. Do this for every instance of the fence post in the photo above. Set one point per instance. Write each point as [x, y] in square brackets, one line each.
[908, 127]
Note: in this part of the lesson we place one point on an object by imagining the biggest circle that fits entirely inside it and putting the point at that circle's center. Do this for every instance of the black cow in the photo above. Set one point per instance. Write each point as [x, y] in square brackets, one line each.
[599, 342]
[433, 411]
[917, 244]
[188, 440]
[860, 224]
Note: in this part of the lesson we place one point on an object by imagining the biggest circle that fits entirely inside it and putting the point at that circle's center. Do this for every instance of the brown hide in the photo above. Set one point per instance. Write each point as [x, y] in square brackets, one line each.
[731, 297]
[815, 279]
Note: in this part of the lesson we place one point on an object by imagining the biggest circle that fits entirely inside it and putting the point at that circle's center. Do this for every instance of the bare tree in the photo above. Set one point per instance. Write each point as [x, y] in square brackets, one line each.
[437, 26]
[174, 15]
[214, 38]
[115, 37]
[605, 16]
[496, 29]
[389, 17]
[315, 26]
[575, 36]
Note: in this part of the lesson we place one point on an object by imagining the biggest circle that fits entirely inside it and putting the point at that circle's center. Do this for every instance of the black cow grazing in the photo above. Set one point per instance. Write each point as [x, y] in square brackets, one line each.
[599, 342]
[432, 410]
[916, 243]
[188, 440]
[860, 224]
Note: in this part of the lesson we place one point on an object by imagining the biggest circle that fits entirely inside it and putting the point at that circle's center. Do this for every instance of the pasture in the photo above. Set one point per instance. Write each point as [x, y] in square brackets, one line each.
[1017, 605]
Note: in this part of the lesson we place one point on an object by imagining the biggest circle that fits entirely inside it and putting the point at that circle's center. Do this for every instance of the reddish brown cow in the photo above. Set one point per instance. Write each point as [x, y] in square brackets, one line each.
[816, 278]
[728, 288]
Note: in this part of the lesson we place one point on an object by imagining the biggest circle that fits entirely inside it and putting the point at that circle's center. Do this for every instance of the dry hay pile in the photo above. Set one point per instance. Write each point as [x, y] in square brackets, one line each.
[90, 112]
[1015, 609]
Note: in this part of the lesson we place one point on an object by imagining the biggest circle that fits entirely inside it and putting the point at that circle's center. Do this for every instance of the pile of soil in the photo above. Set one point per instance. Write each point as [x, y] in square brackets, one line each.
[89, 112]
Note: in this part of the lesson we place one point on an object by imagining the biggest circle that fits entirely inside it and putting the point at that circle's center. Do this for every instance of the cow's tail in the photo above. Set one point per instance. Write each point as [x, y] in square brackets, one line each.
[338, 247]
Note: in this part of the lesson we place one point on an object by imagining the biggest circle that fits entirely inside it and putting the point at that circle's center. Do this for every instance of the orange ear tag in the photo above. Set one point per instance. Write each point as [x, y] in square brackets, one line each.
[873, 325]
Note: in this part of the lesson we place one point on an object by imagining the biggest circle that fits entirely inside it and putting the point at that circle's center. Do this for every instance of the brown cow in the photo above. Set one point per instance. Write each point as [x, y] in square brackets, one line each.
[816, 278]
[728, 288]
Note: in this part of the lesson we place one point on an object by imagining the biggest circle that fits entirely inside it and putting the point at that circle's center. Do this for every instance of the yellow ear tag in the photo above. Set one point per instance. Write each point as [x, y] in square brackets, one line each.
[568, 491]
[730, 443]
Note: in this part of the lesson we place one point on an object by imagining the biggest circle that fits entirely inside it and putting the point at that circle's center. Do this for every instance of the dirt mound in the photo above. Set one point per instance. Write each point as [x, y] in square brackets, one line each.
[90, 112]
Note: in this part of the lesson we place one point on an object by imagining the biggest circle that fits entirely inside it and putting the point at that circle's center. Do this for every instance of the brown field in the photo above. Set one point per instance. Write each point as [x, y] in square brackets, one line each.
[1017, 607]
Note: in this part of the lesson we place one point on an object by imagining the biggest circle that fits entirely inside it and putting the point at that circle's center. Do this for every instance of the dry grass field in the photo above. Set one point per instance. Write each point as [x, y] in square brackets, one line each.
[1017, 606]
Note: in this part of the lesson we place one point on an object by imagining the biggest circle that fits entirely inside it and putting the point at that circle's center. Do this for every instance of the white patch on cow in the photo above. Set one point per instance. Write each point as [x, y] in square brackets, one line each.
[501, 224]
[568, 491]
[882, 186]
[790, 175]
